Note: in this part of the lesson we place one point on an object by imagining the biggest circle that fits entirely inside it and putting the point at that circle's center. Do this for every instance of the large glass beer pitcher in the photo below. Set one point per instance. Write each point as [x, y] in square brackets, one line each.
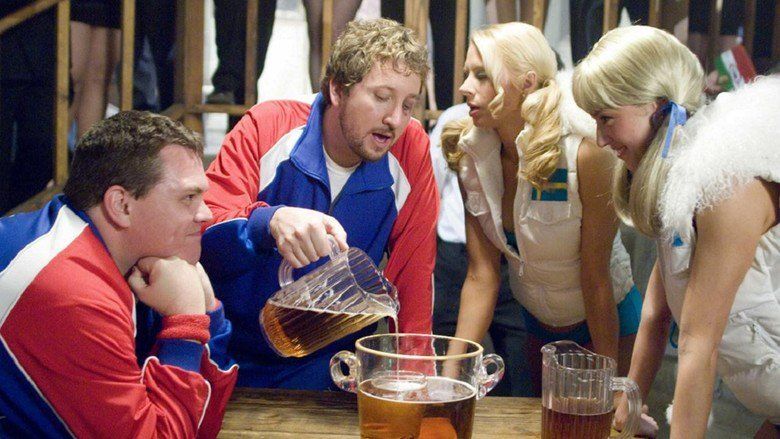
[336, 299]
[408, 385]
[578, 390]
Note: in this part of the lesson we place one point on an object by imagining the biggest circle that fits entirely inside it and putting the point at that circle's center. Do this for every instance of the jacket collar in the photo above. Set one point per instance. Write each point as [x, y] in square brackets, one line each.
[308, 156]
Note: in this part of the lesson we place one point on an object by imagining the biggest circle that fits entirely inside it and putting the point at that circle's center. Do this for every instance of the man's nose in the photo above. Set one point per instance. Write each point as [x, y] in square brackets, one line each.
[394, 117]
[204, 213]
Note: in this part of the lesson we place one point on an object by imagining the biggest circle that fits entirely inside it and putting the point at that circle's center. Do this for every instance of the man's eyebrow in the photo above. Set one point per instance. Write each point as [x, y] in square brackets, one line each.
[192, 188]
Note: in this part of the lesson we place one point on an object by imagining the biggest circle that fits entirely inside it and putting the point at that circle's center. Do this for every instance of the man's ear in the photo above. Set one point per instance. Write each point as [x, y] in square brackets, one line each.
[336, 91]
[117, 204]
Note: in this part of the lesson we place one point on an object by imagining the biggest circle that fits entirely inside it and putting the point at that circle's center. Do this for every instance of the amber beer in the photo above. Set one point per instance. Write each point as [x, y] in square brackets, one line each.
[558, 425]
[436, 408]
[297, 332]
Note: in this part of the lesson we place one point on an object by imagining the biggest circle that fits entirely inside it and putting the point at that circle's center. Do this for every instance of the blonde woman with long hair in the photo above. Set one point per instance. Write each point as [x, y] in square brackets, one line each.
[707, 190]
[536, 190]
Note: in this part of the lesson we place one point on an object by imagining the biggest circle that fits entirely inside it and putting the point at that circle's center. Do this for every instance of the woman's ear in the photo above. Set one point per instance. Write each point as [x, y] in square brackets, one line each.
[117, 205]
[530, 82]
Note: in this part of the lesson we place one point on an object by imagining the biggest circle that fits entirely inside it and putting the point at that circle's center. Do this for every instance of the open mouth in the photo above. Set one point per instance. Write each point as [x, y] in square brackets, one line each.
[382, 139]
[473, 110]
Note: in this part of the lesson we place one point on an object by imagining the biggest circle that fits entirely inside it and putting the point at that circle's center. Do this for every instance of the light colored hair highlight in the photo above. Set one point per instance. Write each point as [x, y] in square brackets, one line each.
[450, 136]
[638, 65]
[509, 51]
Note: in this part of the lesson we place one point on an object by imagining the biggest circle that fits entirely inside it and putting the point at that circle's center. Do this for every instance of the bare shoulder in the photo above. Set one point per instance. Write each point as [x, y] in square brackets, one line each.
[590, 157]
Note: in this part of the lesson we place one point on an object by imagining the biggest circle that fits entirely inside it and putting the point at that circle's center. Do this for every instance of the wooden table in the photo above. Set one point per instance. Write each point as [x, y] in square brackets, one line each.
[271, 413]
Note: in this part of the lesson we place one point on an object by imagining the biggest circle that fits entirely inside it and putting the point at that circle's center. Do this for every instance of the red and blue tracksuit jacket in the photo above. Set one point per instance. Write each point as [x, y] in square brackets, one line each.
[274, 157]
[79, 357]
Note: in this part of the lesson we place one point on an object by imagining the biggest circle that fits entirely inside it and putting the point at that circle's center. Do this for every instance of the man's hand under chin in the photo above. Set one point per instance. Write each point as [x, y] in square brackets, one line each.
[170, 286]
[302, 235]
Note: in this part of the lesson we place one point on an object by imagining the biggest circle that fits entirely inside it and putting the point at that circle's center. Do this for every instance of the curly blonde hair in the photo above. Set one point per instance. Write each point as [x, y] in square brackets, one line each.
[450, 136]
[509, 51]
[363, 44]
[638, 65]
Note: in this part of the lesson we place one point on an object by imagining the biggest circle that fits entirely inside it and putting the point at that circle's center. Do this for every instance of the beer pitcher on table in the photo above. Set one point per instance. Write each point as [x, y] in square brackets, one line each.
[578, 390]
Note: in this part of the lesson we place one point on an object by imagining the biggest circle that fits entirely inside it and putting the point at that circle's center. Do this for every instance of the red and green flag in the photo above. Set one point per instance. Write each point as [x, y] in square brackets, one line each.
[735, 68]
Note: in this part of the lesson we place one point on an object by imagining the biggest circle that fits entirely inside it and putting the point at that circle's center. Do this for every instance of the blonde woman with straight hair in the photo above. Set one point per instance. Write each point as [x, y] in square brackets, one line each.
[536, 190]
[707, 190]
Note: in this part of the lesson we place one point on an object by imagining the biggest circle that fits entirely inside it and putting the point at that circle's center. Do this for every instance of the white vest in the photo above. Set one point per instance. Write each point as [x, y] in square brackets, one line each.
[545, 271]
[730, 142]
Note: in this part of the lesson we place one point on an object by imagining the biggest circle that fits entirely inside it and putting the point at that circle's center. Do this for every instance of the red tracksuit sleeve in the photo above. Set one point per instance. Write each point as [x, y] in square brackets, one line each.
[82, 358]
[413, 237]
[234, 176]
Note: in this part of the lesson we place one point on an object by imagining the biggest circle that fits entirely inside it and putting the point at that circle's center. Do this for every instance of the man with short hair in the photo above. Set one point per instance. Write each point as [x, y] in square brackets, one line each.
[352, 167]
[104, 318]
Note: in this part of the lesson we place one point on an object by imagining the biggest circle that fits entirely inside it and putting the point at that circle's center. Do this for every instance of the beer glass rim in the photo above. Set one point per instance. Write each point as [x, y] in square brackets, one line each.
[359, 346]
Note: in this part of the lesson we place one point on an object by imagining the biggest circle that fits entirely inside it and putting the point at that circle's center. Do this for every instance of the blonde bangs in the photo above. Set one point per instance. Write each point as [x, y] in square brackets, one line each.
[591, 90]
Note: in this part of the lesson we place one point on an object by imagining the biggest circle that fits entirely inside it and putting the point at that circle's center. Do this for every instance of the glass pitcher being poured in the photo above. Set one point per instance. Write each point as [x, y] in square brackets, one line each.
[334, 300]
[578, 388]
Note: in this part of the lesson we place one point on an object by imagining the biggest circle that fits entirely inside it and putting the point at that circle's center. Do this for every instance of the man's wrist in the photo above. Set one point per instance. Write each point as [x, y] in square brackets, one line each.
[260, 226]
[185, 326]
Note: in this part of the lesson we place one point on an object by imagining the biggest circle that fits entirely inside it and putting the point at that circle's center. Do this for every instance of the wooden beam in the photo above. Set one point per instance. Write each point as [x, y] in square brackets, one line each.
[250, 54]
[533, 12]
[750, 26]
[24, 13]
[128, 40]
[416, 18]
[189, 59]
[461, 26]
[175, 111]
[61, 124]
[713, 44]
[611, 9]
[327, 37]
[654, 13]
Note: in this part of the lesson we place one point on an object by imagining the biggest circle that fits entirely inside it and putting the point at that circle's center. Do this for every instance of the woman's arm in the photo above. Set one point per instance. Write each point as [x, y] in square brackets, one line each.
[650, 342]
[480, 289]
[652, 336]
[727, 237]
[599, 225]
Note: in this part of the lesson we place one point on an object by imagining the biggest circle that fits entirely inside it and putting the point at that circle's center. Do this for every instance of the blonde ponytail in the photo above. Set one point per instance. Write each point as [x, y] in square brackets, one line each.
[450, 136]
[509, 51]
[541, 152]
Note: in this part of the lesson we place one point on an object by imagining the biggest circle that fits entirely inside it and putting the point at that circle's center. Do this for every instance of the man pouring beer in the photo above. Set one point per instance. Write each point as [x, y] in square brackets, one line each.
[351, 167]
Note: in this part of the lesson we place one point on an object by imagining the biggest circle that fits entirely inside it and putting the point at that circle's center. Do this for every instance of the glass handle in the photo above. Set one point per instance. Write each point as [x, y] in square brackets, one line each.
[630, 389]
[345, 382]
[487, 382]
[285, 269]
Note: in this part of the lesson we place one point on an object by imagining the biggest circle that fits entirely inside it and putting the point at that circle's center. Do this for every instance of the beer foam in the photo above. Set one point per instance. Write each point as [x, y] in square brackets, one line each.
[429, 390]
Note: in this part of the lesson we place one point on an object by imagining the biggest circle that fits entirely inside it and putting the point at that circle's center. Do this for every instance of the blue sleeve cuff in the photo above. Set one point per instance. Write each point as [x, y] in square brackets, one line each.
[180, 353]
[217, 323]
[259, 226]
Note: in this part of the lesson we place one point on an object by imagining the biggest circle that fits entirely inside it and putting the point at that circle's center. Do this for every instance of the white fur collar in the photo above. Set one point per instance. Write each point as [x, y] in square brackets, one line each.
[727, 143]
